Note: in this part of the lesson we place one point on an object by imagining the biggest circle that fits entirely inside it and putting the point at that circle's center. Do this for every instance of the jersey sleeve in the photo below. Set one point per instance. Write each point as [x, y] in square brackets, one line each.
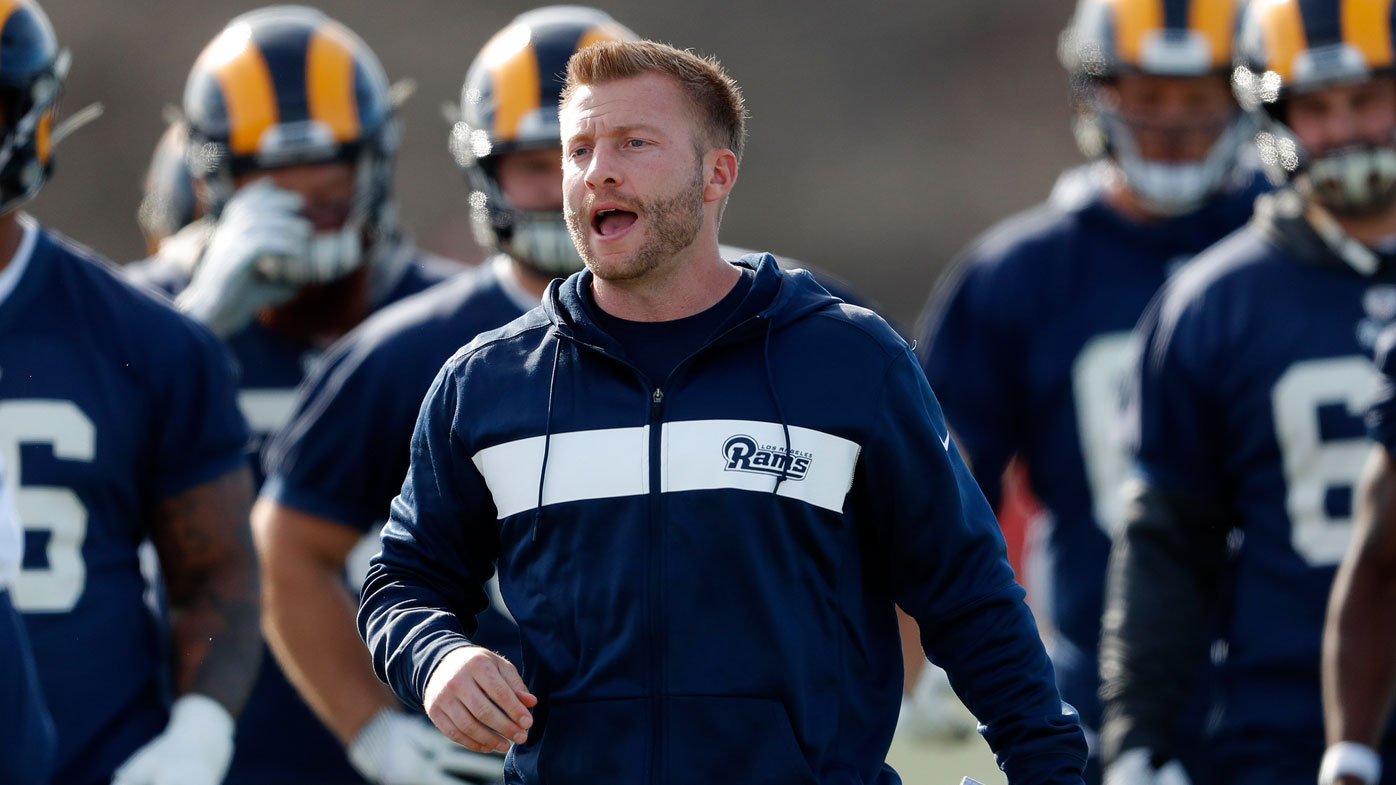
[1381, 417]
[962, 348]
[946, 560]
[425, 588]
[201, 432]
[1170, 418]
[343, 455]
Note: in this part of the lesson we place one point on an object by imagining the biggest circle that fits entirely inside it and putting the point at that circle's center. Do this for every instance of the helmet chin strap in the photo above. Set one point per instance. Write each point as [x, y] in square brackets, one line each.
[541, 241]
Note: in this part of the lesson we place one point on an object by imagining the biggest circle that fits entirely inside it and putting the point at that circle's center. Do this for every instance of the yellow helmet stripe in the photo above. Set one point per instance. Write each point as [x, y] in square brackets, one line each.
[1367, 26]
[329, 82]
[514, 79]
[43, 134]
[7, 8]
[1215, 20]
[1134, 20]
[607, 32]
[248, 95]
[1283, 27]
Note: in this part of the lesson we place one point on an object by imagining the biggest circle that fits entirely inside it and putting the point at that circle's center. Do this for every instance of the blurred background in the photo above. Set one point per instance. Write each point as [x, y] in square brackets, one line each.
[881, 140]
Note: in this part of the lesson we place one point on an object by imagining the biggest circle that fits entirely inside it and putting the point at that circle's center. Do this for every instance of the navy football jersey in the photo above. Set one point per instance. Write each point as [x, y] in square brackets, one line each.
[110, 402]
[1254, 377]
[279, 739]
[1026, 344]
[1381, 418]
[346, 451]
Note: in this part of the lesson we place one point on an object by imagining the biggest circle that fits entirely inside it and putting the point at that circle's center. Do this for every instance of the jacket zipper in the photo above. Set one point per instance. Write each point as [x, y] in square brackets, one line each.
[653, 601]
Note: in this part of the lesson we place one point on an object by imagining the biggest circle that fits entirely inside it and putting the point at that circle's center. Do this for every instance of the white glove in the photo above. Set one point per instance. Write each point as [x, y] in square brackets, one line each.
[1136, 767]
[395, 748]
[259, 222]
[932, 712]
[194, 749]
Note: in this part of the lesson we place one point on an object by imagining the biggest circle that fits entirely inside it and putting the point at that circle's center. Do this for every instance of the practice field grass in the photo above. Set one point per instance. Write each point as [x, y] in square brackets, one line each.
[944, 762]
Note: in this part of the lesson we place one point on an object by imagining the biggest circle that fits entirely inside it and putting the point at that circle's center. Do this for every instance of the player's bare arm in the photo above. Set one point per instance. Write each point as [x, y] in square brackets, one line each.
[308, 616]
[205, 549]
[1359, 675]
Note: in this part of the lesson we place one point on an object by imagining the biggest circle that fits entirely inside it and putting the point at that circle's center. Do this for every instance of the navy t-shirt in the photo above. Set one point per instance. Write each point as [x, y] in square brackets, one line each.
[656, 348]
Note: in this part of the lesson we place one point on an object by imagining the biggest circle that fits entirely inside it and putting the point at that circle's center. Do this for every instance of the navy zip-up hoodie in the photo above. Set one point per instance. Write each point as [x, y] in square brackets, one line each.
[704, 568]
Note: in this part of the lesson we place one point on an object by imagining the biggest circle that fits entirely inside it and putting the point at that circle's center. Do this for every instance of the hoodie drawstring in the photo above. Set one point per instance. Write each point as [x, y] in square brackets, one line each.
[780, 412]
[547, 436]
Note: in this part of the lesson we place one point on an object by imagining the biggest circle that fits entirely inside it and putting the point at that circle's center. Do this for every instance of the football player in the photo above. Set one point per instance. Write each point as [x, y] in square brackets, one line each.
[1244, 412]
[1026, 341]
[1359, 669]
[292, 135]
[328, 485]
[119, 421]
[26, 729]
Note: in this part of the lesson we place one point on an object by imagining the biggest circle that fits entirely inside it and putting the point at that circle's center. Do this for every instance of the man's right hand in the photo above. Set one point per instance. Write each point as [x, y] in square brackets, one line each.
[226, 291]
[477, 698]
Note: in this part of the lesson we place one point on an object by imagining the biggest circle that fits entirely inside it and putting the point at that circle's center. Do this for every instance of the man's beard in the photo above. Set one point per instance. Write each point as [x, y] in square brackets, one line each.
[673, 223]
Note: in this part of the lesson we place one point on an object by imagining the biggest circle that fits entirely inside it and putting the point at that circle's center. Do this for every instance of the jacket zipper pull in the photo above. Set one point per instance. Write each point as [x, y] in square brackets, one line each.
[656, 404]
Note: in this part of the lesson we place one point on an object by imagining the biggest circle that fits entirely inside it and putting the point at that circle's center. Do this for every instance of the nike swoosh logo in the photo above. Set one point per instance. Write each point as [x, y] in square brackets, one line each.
[946, 441]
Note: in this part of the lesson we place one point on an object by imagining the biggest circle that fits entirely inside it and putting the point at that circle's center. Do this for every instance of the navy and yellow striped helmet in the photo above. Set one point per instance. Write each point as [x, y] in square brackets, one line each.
[168, 203]
[32, 69]
[287, 85]
[509, 103]
[1296, 46]
[1170, 38]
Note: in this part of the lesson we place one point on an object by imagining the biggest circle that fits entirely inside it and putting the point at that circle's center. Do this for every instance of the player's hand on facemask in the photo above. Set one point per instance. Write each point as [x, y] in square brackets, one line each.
[194, 749]
[477, 698]
[395, 748]
[260, 221]
[1136, 767]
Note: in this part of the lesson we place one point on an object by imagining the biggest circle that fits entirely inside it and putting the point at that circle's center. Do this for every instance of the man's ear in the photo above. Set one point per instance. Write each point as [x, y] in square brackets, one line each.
[719, 174]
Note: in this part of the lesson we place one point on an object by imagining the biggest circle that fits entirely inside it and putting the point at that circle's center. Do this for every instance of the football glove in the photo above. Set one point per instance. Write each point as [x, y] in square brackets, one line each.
[228, 288]
[396, 748]
[1136, 767]
[194, 749]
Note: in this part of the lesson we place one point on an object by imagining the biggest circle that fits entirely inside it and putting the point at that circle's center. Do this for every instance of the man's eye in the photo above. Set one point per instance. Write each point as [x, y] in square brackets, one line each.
[635, 143]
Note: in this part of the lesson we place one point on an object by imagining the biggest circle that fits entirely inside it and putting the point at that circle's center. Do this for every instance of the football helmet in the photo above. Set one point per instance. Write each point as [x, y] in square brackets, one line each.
[1171, 38]
[509, 103]
[1295, 46]
[168, 203]
[287, 85]
[32, 68]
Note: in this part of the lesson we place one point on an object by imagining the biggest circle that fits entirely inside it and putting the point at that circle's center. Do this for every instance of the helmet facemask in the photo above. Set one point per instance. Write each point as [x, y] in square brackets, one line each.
[538, 239]
[1165, 187]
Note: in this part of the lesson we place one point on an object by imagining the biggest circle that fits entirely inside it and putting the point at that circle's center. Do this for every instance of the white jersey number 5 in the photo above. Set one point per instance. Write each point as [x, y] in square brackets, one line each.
[1314, 466]
[57, 510]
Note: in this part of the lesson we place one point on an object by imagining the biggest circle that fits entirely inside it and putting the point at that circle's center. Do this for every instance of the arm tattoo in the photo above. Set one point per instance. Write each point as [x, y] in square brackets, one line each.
[205, 548]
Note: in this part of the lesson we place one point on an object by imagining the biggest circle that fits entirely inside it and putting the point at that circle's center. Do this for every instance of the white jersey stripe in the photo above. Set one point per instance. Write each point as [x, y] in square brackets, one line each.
[742, 455]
